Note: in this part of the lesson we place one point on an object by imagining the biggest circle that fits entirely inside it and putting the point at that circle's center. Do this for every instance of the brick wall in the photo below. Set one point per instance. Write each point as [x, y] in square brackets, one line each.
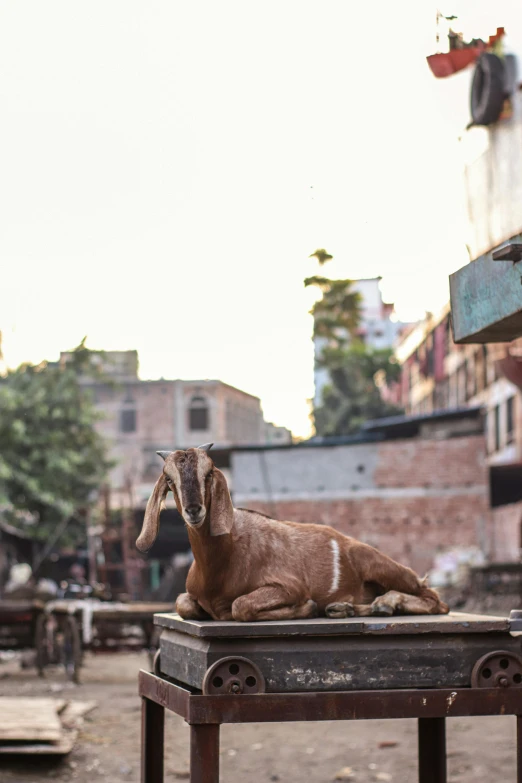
[432, 463]
[411, 531]
[418, 496]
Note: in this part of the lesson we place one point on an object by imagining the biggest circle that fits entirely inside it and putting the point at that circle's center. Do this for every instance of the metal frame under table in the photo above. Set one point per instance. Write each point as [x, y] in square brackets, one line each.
[205, 714]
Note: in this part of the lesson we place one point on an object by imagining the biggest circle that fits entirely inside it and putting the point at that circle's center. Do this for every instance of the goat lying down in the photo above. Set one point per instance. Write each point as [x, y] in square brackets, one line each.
[249, 567]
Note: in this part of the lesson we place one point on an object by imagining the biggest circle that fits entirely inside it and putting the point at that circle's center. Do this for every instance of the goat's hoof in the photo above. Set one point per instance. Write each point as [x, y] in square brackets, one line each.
[340, 610]
[381, 610]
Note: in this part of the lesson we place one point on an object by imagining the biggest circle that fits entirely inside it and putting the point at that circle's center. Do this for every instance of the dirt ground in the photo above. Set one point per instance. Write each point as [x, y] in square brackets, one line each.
[108, 749]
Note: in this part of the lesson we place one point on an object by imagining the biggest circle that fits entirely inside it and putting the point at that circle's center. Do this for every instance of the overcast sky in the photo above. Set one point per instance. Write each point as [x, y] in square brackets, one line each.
[167, 167]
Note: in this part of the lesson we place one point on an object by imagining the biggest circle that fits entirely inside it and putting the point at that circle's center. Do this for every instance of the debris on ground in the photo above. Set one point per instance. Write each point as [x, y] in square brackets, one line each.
[346, 773]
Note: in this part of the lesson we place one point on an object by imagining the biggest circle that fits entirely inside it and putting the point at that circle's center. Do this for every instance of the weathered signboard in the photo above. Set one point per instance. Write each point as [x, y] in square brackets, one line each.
[486, 298]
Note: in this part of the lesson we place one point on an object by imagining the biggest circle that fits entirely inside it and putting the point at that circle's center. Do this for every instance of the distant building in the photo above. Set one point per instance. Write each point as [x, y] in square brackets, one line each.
[438, 375]
[275, 435]
[377, 329]
[142, 417]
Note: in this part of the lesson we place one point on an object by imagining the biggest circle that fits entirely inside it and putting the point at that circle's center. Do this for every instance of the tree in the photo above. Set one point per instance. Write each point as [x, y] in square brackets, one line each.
[337, 314]
[321, 255]
[52, 459]
[352, 396]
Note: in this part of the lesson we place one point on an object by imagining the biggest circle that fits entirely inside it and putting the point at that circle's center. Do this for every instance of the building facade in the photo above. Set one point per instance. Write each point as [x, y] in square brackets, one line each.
[439, 375]
[141, 417]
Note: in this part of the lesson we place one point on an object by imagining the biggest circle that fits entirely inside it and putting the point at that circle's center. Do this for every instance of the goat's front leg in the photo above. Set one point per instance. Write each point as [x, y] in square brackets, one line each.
[272, 603]
[189, 609]
[394, 602]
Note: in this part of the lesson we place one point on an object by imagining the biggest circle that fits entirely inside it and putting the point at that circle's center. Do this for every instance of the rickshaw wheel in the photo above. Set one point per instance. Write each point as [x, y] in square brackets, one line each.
[45, 642]
[71, 648]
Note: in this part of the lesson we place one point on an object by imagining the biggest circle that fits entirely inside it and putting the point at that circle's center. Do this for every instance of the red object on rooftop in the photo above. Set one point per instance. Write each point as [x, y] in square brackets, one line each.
[447, 63]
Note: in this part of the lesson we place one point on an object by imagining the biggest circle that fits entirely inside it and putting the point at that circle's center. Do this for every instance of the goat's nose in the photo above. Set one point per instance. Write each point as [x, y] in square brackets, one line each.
[194, 510]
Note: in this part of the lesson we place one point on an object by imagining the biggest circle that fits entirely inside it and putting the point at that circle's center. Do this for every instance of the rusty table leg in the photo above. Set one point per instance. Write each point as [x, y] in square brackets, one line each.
[152, 741]
[519, 749]
[204, 753]
[432, 750]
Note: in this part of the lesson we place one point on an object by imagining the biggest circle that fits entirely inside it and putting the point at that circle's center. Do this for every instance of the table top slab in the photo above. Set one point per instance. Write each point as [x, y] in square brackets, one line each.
[453, 623]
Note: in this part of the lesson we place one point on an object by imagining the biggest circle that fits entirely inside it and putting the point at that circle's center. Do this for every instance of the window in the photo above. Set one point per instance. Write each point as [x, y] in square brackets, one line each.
[510, 407]
[128, 420]
[497, 427]
[198, 414]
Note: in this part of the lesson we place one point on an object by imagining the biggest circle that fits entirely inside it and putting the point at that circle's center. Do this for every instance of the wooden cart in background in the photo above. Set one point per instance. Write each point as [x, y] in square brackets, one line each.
[18, 623]
[68, 627]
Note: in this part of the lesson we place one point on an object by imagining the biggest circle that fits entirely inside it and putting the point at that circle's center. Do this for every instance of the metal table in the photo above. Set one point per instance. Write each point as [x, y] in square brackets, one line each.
[245, 682]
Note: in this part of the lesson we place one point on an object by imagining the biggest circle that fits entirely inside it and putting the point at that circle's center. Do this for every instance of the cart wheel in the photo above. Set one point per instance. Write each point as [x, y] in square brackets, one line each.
[233, 676]
[499, 669]
[70, 647]
[45, 642]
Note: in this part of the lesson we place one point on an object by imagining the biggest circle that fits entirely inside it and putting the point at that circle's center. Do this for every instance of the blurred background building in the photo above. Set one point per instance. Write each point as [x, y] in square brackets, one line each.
[379, 328]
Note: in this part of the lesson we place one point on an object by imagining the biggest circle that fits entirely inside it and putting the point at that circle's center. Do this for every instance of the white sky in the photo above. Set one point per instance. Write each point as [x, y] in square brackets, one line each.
[167, 167]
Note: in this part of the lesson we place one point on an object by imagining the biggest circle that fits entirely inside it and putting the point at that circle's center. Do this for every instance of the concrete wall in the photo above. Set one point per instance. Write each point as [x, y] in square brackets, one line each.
[506, 533]
[492, 156]
[409, 498]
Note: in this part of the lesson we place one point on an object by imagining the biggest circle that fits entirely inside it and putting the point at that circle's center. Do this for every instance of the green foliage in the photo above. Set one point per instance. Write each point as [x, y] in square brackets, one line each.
[353, 397]
[338, 313]
[321, 255]
[52, 459]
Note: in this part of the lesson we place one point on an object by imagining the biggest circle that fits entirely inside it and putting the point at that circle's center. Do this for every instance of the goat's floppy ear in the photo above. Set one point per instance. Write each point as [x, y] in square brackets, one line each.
[150, 528]
[221, 509]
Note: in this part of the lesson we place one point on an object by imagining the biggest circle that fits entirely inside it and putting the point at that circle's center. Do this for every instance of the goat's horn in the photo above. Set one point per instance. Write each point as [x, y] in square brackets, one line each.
[206, 447]
[164, 454]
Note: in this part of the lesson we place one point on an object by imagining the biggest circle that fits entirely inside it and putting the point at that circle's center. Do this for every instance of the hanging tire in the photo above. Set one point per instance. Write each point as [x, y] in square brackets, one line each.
[487, 90]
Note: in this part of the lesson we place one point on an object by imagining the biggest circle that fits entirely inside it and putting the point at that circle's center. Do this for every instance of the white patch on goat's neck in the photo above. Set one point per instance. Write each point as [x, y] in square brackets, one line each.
[336, 566]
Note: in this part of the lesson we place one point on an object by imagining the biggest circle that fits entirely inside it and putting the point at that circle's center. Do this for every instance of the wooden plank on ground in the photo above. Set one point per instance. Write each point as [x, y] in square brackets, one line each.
[60, 748]
[30, 719]
[68, 715]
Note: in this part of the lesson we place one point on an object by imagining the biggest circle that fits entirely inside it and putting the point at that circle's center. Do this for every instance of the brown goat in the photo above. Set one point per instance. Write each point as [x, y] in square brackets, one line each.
[249, 567]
